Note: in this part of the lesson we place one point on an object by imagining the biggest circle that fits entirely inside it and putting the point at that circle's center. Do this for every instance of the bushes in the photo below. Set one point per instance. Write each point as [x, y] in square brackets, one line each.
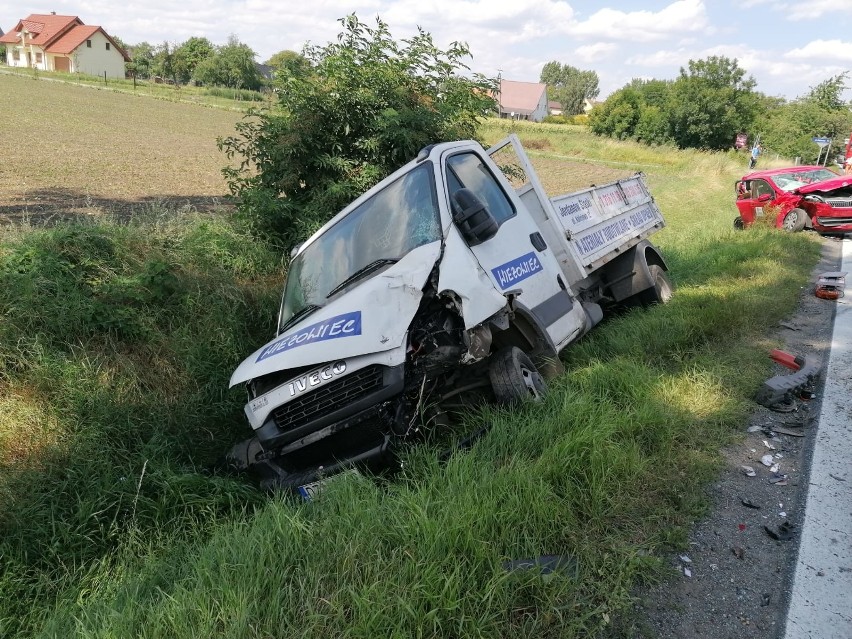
[369, 105]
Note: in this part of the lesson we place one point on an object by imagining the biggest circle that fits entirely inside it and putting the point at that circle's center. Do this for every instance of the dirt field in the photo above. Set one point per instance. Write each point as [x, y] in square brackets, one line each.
[110, 159]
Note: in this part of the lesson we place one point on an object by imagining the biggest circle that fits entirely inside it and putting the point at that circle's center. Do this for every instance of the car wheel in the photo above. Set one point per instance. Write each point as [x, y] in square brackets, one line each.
[662, 290]
[514, 378]
[739, 224]
[794, 221]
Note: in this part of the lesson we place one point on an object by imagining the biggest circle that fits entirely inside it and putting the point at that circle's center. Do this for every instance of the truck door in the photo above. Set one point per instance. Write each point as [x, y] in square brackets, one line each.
[517, 258]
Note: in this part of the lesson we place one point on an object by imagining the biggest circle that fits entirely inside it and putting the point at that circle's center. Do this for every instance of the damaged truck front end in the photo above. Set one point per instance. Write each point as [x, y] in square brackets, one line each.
[364, 342]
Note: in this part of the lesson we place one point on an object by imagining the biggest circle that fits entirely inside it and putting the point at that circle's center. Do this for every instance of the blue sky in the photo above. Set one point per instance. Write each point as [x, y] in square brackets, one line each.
[786, 46]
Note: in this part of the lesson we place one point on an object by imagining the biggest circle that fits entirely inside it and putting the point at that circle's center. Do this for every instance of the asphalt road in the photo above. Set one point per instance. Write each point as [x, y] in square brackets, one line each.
[821, 597]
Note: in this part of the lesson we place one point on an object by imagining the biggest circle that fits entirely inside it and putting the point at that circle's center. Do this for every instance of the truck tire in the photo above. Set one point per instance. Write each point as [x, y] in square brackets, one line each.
[794, 221]
[662, 290]
[514, 378]
[739, 224]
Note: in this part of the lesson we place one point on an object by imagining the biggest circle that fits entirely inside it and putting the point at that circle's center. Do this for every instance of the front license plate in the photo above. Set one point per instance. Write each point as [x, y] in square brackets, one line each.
[309, 491]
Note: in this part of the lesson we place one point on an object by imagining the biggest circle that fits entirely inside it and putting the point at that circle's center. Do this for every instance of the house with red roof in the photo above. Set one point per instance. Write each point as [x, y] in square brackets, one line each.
[522, 100]
[63, 43]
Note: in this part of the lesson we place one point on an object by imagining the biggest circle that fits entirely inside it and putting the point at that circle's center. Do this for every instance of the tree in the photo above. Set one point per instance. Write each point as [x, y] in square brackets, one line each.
[189, 55]
[141, 59]
[289, 63]
[230, 66]
[369, 106]
[789, 128]
[569, 86]
[711, 103]
[163, 62]
[828, 93]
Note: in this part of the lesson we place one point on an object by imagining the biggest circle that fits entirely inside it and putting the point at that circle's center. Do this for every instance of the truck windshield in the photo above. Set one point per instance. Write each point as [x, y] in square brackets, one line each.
[384, 228]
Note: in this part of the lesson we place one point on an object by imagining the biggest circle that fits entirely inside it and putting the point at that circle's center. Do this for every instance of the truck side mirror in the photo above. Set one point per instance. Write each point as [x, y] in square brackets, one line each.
[473, 218]
[765, 197]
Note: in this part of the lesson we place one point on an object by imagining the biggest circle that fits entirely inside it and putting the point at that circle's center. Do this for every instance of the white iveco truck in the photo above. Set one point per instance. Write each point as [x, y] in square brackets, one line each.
[445, 277]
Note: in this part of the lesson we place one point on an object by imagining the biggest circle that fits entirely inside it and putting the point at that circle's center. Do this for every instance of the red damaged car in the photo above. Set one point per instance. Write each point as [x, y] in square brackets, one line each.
[799, 197]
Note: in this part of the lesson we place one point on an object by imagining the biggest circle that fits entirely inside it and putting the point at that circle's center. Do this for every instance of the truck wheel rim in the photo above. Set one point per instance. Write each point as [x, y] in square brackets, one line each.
[533, 382]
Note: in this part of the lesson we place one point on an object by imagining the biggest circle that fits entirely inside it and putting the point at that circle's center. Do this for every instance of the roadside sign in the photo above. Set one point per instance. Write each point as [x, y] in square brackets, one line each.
[822, 142]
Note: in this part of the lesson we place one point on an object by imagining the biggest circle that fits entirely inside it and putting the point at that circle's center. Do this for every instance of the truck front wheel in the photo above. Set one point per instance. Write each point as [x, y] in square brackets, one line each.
[514, 378]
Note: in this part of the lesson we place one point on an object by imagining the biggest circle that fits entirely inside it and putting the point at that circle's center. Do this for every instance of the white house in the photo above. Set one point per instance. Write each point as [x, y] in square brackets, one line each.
[522, 100]
[63, 43]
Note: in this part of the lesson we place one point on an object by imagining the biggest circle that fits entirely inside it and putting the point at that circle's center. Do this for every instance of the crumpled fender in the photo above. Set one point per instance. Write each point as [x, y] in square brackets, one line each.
[370, 318]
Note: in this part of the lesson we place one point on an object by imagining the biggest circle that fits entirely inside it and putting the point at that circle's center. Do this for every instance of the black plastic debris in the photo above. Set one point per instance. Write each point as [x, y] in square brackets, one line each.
[777, 392]
[749, 504]
[785, 531]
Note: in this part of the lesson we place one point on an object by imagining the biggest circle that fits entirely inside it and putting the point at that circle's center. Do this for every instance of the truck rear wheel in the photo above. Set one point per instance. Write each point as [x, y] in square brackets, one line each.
[514, 378]
[662, 290]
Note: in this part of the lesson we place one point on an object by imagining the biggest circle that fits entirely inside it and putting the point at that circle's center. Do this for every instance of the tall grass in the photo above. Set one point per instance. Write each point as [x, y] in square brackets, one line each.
[116, 346]
[116, 341]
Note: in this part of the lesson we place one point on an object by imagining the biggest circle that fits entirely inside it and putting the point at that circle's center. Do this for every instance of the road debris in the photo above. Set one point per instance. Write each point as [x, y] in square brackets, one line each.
[777, 392]
[792, 432]
[749, 504]
[748, 471]
[739, 552]
[785, 531]
[767, 460]
[831, 285]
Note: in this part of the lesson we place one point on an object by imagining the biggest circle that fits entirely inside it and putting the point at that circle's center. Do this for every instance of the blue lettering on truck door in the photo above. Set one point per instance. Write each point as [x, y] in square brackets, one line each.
[346, 325]
[517, 270]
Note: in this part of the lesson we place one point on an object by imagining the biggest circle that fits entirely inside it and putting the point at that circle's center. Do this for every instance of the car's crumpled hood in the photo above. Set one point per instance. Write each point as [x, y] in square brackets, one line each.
[839, 182]
[371, 317]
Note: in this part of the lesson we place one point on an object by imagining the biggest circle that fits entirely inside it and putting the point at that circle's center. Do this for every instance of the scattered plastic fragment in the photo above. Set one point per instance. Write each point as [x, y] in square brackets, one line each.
[685, 559]
[793, 432]
[765, 599]
[767, 460]
[774, 468]
[687, 571]
[749, 504]
[739, 552]
[806, 395]
[785, 531]
[790, 326]
[778, 479]
[829, 286]
[754, 429]
[786, 406]
[768, 445]
[782, 514]
[547, 564]
[776, 392]
[748, 471]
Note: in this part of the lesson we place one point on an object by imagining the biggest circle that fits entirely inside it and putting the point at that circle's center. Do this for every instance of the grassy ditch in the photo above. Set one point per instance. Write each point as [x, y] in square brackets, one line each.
[116, 342]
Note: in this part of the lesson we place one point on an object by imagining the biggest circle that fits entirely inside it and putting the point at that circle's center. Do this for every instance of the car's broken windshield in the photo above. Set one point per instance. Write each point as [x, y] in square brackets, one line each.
[397, 219]
[793, 180]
